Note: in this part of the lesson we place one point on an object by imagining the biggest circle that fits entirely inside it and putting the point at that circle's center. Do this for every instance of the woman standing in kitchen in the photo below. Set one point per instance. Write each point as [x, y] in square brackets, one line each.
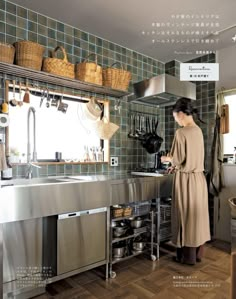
[190, 217]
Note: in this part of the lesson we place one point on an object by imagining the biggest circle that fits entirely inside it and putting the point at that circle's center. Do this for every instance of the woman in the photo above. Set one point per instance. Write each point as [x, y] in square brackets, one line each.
[190, 218]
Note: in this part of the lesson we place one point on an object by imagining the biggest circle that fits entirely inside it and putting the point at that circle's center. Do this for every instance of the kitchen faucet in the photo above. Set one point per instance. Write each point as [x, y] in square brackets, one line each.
[29, 161]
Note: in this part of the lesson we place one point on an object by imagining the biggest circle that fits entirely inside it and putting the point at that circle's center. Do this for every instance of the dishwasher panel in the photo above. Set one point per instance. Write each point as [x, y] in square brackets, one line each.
[81, 239]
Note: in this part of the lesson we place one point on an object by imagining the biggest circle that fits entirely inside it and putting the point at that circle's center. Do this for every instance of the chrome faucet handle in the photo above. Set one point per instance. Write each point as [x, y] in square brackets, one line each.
[32, 164]
[29, 170]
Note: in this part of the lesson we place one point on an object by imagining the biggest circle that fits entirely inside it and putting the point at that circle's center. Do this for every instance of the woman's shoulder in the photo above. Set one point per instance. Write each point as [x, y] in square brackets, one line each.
[187, 130]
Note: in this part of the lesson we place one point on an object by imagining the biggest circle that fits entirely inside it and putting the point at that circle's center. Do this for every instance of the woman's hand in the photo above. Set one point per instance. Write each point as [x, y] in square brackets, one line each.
[171, 169]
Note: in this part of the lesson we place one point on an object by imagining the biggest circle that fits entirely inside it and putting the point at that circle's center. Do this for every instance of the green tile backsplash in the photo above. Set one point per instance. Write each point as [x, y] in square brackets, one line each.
[17, 23]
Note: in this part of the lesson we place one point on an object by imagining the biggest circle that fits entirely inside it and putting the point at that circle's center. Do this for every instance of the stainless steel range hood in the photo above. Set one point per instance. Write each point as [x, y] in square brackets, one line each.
[162, 90]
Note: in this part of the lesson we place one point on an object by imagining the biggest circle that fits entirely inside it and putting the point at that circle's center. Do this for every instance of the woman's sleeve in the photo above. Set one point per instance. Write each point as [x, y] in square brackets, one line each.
[178, 149]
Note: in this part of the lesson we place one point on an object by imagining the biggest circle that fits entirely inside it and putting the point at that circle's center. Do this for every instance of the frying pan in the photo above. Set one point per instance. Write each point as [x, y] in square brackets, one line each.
[153, 142]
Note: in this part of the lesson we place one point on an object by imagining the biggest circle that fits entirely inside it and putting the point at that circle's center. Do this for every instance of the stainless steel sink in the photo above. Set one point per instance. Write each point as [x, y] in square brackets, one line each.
[33, 181]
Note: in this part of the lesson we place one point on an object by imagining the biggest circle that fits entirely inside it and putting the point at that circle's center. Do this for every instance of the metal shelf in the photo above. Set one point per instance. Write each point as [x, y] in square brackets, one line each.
[12, 69]
[128, 237]
[131, 216]
[128, 257]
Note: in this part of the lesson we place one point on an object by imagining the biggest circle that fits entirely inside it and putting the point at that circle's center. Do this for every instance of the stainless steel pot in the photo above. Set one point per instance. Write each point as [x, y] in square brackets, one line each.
[119, 231]
[118, 252]
[138, 246]
[137, 223]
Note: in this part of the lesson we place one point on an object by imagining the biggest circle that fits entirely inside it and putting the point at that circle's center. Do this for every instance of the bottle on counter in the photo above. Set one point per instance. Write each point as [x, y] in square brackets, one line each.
[7, 173]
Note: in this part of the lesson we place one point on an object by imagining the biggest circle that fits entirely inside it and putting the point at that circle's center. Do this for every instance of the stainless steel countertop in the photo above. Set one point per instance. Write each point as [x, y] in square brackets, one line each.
[41, 197]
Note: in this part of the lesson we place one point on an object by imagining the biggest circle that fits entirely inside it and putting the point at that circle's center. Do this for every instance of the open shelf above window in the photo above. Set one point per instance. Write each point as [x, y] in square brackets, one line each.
[12, 69]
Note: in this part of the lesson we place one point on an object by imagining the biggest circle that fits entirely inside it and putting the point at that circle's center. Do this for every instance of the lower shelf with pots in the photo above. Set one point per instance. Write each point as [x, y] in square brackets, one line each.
[132, 235]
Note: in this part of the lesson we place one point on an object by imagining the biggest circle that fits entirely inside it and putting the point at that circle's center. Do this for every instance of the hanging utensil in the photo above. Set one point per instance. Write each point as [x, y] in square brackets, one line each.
[54, 102]
[48, 103]
[62, 106]
[20, 102]
[26, 98]
[13, 101]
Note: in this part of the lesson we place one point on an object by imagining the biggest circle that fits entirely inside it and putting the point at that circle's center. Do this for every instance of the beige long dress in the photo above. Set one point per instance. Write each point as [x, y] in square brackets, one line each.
[190, 217]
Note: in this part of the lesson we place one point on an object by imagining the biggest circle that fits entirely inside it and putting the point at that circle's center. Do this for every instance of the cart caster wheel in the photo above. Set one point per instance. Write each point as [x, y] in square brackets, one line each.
[113, 274]
[153, 258]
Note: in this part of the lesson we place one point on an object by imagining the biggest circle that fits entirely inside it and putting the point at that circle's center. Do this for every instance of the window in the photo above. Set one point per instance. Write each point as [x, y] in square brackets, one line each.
[230, 138]
[69, 132]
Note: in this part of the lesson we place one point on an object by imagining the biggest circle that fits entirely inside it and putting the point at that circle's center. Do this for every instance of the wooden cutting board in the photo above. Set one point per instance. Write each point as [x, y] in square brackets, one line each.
[224, 119]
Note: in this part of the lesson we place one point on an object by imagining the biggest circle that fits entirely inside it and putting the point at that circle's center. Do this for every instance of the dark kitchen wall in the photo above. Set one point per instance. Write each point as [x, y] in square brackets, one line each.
[18, 23]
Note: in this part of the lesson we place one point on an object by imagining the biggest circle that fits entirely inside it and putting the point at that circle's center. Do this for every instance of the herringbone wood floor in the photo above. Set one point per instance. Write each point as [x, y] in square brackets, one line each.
[140, 278]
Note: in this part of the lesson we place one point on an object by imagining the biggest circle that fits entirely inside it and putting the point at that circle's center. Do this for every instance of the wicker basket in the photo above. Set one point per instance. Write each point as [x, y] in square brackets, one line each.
[29, 54]
[7, 53]
[127, 211]
[58, 66]
[117, 212]
[105, 129]
[89, 71]
[116, 78]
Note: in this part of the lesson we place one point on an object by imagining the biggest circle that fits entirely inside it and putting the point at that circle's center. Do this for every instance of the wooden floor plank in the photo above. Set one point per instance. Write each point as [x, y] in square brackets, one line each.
[140, 278]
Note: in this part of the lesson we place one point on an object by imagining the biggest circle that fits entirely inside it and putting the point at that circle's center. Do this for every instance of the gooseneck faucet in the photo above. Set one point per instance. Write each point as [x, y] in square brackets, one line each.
[34, 158]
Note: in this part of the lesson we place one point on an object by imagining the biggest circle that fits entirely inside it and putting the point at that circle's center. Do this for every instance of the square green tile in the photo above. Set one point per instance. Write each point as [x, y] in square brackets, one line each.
[42, 40]
[2, 15]
[21, 22]
[2, 38]
[11, 30]
[52, 170]
[32, 26]
[68, 168]
[68, 30]
[77, 42]
[21, 33]
[43, 30]
[42, 20]
[22, 12]
[11, 8]
[11, 19]
[60, 27]
[51, 33]
[60, 169]
[84, 36]
[60, 36]
[32, 16]
[32, 36]
[3, 5]
[77, 52]
[91, 39]
[92, 48]
[84, 45]
[2, 27]
[77, 33]
[52, 24]
[10, 39]
[99, 42]
[69, 39]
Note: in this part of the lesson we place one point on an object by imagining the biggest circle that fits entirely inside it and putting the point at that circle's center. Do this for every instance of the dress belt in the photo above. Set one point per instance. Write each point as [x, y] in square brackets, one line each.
[189, 171]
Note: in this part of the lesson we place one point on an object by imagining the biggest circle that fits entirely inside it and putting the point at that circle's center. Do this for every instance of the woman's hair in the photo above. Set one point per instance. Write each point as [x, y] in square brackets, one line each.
[185, 105]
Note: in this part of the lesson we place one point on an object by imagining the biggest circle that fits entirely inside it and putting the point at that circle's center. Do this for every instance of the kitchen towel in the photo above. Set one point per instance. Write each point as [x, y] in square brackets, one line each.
[3, 163]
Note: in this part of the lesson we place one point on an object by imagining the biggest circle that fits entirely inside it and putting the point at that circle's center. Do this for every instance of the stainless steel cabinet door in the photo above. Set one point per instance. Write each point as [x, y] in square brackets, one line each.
[81, 241]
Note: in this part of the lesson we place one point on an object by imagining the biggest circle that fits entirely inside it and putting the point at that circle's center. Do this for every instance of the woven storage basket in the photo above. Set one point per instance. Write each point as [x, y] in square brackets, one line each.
[89, 71]
[7, 53]
[117, 212]
[29, 54]
[116, 78]
[105, 129]
[58, 66]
